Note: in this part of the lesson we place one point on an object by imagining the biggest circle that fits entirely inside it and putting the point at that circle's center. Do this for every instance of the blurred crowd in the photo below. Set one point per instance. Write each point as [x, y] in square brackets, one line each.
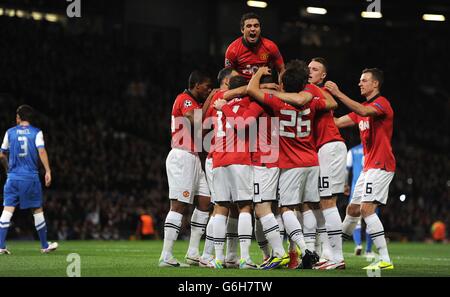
[105, 110]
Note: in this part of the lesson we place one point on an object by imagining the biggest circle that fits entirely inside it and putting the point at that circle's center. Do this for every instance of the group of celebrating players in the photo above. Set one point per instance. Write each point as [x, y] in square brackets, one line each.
[274, 153]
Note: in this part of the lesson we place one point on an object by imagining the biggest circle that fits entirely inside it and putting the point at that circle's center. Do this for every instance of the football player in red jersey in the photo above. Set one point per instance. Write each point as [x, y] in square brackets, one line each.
[264, 157]
[187, 182]
[251, 51]
[232, 180]
[231, 258]
[332, 154]
[375, 119]
[298, 157]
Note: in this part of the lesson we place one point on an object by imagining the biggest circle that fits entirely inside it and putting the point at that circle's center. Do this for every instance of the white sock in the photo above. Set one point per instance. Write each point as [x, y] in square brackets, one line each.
[309, 229]
[199, 220]
[348, 225]
[232, 239]
[5, 222]
[334, 229]
[172, 227]
[292, 244]
[209, 240]
[219, 230]
[39, 220]
[376, 231]
[245, 234]
[272, 233]
[263, 243]
[281, 226]
[293, 229]
[322, 245]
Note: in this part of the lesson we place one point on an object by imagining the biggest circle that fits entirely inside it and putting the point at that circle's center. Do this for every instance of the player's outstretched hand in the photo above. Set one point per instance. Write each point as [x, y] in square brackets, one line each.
[48, 179]
[219, 103]
[332, 87]
[264, 70]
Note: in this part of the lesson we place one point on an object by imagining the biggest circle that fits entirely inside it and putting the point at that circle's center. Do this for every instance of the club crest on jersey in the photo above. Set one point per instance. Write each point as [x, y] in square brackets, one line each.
[187, 103]
[363, 125]
[227, 63]
[186, 194]
[264, 56]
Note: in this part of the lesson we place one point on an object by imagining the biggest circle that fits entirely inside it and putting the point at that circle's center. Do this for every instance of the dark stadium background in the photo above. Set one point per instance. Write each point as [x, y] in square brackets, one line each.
[104, 85]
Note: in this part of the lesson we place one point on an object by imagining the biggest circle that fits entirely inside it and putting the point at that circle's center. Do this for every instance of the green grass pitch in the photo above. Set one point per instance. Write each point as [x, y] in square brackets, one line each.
[140, 258]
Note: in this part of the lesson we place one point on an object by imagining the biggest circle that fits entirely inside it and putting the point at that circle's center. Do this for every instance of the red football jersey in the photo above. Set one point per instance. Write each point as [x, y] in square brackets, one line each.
[229, 147]
[376, 135]
[297, 147]
[209, 118]
[263, 153]
[325, 129]
[247, 60]
[182, 132]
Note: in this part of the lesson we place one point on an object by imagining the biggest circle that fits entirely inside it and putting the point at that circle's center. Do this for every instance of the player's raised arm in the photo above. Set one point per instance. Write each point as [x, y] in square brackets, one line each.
[233, 93]
[330, 103]
[253, 88]
[44, 159]
[353, 105]
[294, 99]
[208, 101]
[344, 121]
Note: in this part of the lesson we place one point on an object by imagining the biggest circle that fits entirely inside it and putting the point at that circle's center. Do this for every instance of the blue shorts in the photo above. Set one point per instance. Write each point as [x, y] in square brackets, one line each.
[22, 193]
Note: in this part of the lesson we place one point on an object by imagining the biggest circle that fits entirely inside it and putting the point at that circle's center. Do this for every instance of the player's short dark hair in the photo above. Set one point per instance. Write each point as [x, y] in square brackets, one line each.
[237, 81]
[295, 76]
[197, 77]
[224, 73]
[248, 16]
[25, 113]
[321, 61]
[377, 75]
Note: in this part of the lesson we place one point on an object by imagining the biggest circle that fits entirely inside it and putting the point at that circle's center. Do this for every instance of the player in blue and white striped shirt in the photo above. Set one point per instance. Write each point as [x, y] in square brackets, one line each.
[24, 144]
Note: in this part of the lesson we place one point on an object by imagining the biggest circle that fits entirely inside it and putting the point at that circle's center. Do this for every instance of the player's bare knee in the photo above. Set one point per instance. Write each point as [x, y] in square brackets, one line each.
[283, 209]
[10, 209]
[203, 203]
[222, 208]
[262, 209]
[38, 210]
[177, 206]
[354, 210]
[245, 206]
[327, 202]
[368, 209]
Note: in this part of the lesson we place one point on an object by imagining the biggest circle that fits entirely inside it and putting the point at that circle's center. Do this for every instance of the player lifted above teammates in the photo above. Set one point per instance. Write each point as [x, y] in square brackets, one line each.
[251, 51]
[375, 119]
[25, 144]
[185, 175]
